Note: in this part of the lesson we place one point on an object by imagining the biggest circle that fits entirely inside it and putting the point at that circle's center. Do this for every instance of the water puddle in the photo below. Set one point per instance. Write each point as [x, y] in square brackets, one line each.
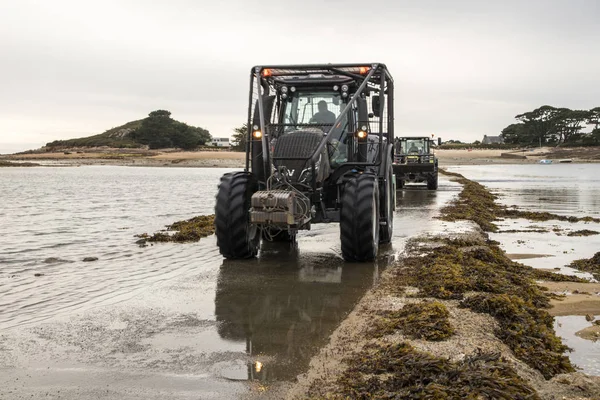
[586, 353]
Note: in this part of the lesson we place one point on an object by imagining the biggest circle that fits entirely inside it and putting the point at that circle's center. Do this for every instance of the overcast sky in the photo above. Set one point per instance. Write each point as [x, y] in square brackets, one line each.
[462, 68]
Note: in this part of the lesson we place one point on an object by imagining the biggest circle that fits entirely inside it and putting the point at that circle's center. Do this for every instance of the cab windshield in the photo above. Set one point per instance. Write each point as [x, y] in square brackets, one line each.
[312, 108]
[414, 146]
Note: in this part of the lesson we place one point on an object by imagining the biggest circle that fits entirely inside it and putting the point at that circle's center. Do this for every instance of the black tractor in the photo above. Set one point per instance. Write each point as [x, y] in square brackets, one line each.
[415, 161]
[319, 149]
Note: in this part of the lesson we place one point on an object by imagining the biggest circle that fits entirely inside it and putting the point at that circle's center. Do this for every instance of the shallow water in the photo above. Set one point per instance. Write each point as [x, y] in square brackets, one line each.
[243, 320]
[586, 353]
[564, 189]
[52, 218]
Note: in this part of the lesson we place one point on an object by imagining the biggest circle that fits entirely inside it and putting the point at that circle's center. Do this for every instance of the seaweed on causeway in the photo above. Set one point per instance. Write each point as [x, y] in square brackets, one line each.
[526, 329]
[427, 320]
[399, 371]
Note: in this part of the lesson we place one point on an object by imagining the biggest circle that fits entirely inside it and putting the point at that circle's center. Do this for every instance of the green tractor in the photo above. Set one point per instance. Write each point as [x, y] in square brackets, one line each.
[415, 161]
[319, 149]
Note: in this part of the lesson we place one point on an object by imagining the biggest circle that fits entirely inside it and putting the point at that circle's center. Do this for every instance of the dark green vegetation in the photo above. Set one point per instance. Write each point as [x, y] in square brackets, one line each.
[191, 230]
[549, 125]
[4, 163]
[398, 371]
[591, 265]
[428, 320]
[238, 142]
[583, 232]
[156, 131]
[477, 204]
[477, 145]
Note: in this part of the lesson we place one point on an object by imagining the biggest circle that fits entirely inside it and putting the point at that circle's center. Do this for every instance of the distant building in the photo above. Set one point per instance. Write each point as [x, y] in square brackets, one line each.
[219, 142]
[492, 140]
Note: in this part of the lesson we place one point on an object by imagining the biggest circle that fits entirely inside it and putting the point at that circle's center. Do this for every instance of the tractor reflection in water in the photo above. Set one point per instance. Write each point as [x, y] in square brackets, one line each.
[286, 306]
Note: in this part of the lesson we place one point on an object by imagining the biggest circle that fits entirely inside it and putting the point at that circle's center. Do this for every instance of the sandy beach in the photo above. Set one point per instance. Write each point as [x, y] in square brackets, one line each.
[231, 159]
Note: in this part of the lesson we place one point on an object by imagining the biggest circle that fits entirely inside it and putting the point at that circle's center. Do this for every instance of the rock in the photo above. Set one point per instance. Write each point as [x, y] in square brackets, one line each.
[54, 260]
[589, 317]
[89, 259]
[38, 274]
[590, 333]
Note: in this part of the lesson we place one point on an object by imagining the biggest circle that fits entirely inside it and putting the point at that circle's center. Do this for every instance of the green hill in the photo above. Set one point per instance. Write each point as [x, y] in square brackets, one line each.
[157, 131]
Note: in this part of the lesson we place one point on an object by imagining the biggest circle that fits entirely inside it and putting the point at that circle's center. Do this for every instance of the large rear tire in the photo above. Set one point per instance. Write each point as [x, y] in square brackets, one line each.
[236, 236]
[359, 218]
[387, 205]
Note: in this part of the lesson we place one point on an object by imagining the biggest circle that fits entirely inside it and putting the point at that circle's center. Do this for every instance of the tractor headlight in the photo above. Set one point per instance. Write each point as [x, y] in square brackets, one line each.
[336, 88]
[344, 88]
[293, 89]
[284, 89]
[362, 134]
[257, 134]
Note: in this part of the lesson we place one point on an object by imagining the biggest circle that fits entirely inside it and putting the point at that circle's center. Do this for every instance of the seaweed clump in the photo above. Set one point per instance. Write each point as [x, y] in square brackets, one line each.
[449, 271]
[541, 216]
[591, 265]
[191, 230]
[459, 267]
[428, 320]
[527, 330]
[583, 232]
[554, 277]
[474, 203]
[400, 371]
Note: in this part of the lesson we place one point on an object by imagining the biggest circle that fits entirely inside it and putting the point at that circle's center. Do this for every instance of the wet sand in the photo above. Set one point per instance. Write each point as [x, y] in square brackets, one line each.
[580, 298]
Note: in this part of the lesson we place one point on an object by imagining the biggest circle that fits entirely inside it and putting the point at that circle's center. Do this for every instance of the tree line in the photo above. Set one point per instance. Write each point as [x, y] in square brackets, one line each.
[549, 125]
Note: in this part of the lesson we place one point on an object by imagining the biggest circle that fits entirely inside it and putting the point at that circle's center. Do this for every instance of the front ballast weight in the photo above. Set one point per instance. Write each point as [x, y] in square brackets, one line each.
[280, 209]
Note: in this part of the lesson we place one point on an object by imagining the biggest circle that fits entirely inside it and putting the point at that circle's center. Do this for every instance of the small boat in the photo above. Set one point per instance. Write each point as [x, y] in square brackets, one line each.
[545, 161]
[566, 160]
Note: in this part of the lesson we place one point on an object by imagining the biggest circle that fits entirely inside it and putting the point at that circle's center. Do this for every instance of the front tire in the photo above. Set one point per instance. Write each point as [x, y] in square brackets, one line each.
[236, 236]
[359, 218]
[432, 182]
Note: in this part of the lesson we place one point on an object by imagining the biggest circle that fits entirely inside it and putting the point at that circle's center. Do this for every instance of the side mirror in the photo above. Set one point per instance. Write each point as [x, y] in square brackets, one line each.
[439, 141]
[376, 104]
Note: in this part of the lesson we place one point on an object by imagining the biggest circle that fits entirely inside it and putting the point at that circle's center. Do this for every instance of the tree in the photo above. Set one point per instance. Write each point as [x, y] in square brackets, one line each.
[538, 124]
[159, 131]
[239, 138]
[514, 133]
[569, 123]
[594, 118]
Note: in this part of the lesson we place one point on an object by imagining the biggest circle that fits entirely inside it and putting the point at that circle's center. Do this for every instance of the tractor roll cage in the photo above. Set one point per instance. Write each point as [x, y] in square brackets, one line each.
[368, 77]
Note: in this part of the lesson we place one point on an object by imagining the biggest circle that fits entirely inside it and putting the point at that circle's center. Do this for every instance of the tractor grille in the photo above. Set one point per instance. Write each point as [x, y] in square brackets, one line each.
[294, 150]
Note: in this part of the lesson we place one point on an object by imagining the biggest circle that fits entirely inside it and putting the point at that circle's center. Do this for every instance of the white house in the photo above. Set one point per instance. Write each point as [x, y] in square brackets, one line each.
[219, 142]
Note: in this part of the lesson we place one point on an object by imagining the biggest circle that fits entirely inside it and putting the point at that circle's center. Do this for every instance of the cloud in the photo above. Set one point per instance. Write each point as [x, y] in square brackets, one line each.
[462, 69]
